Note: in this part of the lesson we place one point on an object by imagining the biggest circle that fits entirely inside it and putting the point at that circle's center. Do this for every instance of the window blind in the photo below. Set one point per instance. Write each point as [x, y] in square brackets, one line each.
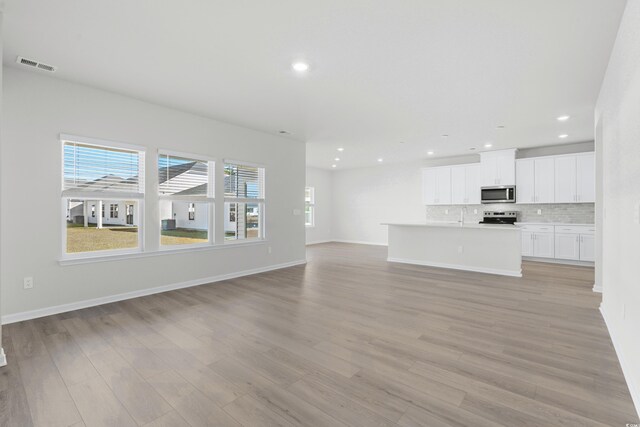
[243, 182]
[98, 169]
[181, 176]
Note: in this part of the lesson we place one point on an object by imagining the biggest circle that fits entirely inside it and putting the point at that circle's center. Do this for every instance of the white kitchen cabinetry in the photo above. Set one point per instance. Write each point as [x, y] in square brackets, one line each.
[586, 177]
[562, 242]
[538, 241]
[436, 186]
[498, 167]
[567, 246]
[525, 181]
[465, 185]
[535, 180]
[587, 247]
[575, 178]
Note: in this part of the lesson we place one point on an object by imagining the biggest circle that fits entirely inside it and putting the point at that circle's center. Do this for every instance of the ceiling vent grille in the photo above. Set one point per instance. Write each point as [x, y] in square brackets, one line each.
[35, 64]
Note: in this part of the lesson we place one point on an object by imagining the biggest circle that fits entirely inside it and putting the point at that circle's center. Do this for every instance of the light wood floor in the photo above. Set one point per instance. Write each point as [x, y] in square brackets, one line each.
[348, 339]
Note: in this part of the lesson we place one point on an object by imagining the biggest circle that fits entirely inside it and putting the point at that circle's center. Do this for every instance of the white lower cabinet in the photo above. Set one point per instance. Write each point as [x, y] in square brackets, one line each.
[568, 246]
[563, 242]
[587, 247]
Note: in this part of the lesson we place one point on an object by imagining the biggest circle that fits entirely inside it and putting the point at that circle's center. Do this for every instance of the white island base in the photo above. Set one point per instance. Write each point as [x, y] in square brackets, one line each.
[494, 249]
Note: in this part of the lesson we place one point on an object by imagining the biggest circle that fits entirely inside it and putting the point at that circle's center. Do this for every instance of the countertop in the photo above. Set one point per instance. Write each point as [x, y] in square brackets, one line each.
[444, 224]
[560, 224]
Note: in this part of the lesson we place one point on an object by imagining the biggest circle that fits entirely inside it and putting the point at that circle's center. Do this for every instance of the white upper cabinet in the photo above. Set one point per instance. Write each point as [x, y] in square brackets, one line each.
[575, 178]
[498, 167]
[586, 177]
[525, 181]
[544, 180]
[566, 176]
[458, 185]
[535, 180]
[472, 184]
[436, 186]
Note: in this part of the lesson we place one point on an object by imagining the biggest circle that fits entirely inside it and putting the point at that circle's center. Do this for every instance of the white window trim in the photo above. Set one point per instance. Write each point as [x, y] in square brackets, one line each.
[209, 198]
[311, 204]
[261, 202]
[66, 195]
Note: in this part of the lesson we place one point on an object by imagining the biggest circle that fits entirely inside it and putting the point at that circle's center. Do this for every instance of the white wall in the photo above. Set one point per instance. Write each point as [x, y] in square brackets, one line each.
[37, 109]
[364, 198]
[618, 112]
[320, 180]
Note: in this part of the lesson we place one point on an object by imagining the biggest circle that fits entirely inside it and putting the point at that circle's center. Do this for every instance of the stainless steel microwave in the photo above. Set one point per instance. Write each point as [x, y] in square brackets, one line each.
[498, 194]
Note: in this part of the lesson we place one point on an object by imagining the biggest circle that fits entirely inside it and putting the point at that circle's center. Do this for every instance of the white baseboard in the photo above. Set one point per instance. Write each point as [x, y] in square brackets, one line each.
[3, 357]
[48, 311]
[512, 273]
[634, 388]
[359, 242]
[317, 242]
[559, 261]
[597, 288]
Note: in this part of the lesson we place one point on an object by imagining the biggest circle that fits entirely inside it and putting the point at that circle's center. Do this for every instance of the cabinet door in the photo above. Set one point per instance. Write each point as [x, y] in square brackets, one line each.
[565, 179]
[567, 246]
[506, 168]
[443, 183]
[587, 247]
[543, 245]
[458, 185]
[586, 177]
[472, 177]
[489, 165]
[544, 180]
[527, 243]
[429, 186]
[525, 189]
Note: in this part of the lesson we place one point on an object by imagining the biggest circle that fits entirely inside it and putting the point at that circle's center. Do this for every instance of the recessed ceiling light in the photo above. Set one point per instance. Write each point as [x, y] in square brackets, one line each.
[563, 118]
[337, 159]
[500, 127]
[444, 135]
[340, 149]
[488, 145]
[563, 136]
[334, 166]
[430, 153]
[401, 142]
[284, 132]
[380, 159]
[300, 67]
[472, 149]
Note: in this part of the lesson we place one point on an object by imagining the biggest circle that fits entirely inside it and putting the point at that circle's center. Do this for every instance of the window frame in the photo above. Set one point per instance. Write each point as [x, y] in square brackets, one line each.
[311, 204]
[86, 196]
[261, 202]
[209, 199]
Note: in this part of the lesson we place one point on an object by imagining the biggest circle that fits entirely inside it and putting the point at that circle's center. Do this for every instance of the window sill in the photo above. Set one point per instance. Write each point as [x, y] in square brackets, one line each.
[159, 252]
[309, 226]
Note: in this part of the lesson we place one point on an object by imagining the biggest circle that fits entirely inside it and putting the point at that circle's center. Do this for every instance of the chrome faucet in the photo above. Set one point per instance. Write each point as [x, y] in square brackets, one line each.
[463, 211]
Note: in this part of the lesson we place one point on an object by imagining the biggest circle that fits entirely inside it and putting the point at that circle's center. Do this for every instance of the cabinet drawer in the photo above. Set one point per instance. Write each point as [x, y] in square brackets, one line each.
[575, 229]
[537, 228]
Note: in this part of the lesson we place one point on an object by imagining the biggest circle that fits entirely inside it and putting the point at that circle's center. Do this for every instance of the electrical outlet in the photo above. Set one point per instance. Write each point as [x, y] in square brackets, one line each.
[28, 282]
[297, 212]
[460, 249]
[446, 211]
[539, 211]
[475, 211]
[269, 249]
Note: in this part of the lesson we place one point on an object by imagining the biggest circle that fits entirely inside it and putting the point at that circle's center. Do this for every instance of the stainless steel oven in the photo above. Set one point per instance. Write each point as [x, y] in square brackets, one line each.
[498, 194]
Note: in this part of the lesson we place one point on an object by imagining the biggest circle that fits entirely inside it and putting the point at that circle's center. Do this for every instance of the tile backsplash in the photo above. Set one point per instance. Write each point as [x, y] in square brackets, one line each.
[571, 213]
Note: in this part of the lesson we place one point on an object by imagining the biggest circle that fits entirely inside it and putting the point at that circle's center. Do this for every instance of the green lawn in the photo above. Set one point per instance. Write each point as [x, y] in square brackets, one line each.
[81, 239]
[183, 236]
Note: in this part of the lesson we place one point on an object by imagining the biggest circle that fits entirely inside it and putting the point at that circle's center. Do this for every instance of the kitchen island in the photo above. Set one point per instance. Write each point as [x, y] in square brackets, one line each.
[494, 249]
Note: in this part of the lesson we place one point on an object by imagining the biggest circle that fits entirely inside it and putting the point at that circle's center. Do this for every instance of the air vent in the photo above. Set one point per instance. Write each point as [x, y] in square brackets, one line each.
[35, 64]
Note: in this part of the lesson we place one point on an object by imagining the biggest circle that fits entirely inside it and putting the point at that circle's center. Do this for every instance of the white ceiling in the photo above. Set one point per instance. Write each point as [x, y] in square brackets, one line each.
[381, 71]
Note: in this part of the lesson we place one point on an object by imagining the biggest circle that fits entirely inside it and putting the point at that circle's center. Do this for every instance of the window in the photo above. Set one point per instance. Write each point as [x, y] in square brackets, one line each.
[185, 186]
[309, 206]
[243, 201]
[96, 173]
